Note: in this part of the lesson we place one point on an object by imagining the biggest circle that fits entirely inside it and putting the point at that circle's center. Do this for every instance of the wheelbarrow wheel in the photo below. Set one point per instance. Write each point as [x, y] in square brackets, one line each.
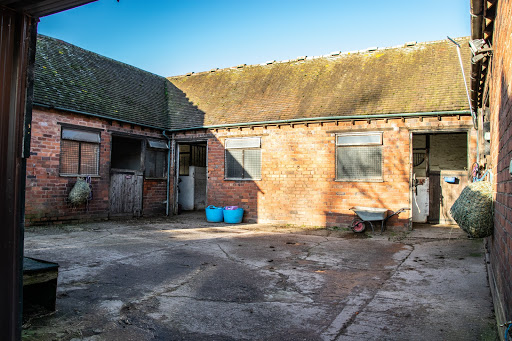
[358, 225]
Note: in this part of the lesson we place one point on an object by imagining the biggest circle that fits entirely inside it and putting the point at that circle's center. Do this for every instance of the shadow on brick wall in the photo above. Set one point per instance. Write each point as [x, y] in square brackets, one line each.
[500, 242]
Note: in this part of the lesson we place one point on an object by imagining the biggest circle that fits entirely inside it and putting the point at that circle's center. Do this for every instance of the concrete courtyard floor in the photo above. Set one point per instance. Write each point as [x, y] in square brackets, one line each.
[185, 279]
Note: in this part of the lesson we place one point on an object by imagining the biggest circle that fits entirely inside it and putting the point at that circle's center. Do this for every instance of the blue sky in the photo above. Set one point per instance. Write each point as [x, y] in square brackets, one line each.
[169, 37]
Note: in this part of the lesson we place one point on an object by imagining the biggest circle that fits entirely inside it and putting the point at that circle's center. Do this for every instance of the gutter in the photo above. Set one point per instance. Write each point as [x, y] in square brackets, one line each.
[330, 118]
[293, 120]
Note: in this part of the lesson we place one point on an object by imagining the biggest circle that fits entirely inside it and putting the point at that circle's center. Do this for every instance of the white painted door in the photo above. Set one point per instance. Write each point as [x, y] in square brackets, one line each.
[186, 190]
[420, 199]
[200, 188]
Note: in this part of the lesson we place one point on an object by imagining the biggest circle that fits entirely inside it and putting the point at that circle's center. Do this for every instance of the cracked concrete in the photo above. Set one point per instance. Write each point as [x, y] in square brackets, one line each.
[185, 279]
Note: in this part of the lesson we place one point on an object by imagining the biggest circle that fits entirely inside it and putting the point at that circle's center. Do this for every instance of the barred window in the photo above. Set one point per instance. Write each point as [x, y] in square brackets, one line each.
[79, 152]
[243, 158]
[359, 157]
[191, 155]
[156, 159]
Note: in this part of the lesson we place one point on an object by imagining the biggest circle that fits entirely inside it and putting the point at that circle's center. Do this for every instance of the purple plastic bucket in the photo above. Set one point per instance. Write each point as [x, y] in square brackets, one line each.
[231, 207]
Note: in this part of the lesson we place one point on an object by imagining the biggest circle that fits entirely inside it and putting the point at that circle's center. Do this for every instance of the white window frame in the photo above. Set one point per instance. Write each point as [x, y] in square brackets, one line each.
[378, 142]
[241, 143]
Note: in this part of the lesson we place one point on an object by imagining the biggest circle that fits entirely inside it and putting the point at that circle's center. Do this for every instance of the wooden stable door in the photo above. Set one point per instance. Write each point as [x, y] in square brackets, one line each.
[443, 193]
[126, 193]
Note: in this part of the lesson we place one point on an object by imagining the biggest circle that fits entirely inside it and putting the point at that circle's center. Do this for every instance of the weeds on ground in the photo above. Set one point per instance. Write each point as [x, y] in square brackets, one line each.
[338, 228]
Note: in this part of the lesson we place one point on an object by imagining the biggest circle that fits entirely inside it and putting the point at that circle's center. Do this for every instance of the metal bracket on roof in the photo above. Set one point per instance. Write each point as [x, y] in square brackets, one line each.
[480, 49]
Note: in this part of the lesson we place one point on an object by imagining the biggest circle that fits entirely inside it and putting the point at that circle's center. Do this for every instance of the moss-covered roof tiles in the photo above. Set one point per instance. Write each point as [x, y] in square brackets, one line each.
[421, 78]
[424, 77]
[71, 78]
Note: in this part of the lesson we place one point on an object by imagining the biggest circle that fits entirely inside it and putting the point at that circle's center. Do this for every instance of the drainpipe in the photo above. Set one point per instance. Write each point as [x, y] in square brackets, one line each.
[477, 20]
[477, 16]
[478, 132]
[168, 172]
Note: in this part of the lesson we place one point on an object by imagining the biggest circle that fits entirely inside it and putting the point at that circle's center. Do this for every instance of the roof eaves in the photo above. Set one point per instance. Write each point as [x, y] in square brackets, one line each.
[332, 118]
[42, 105]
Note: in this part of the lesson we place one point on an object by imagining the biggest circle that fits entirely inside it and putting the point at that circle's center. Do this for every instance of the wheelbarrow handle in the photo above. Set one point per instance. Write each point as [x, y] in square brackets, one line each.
[398, 212]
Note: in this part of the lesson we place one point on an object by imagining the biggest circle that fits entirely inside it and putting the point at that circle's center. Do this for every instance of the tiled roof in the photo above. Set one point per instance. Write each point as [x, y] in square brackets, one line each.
[183, 113]
[71, 78]
[420, 78]
[424, 77]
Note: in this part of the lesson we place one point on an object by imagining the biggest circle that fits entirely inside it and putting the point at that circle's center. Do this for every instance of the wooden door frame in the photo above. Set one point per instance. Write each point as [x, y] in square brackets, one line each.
[176, 162]
[136, 172]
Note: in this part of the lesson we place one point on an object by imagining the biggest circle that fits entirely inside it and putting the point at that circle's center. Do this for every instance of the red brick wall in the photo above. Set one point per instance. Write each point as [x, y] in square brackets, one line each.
[298, 172]
[501, 154]
[47, 191]
[154, 197]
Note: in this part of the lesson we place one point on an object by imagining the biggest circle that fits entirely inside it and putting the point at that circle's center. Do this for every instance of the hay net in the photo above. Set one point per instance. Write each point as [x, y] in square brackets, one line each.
[473, 209]
[80, 192]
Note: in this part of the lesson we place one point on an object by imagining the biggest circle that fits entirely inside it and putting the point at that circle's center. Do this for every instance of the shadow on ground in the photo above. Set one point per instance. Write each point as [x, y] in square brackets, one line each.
[185, 279]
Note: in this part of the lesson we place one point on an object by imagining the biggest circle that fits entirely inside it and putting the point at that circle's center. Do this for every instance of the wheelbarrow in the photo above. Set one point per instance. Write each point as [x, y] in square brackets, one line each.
[367, 215]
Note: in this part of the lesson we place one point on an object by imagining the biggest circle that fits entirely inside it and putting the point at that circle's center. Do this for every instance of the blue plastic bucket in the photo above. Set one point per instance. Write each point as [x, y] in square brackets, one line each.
[233, 216]
[214, 214]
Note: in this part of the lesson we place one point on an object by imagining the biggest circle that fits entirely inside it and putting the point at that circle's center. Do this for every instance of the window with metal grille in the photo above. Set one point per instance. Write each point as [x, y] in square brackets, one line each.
[198, 156]
[79, 152]
[156, 159]
[243, 158]
[359, 157]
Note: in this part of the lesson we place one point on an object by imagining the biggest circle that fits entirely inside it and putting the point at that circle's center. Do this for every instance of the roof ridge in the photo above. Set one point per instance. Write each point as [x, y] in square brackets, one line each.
[335, 54]
[63, 42]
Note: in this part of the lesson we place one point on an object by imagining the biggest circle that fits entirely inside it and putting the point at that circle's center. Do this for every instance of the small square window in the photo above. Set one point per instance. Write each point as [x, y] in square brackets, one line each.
[359, 157]
[156, 163]
[156, 159]
[243, 158]
[79, 152]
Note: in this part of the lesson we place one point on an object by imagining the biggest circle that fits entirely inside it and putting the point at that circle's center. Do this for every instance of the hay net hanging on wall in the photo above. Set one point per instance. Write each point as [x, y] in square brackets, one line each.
[473, 209]
[80, 192]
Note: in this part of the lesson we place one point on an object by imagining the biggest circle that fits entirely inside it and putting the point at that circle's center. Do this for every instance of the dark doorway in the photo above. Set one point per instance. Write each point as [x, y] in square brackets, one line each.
[440, 172]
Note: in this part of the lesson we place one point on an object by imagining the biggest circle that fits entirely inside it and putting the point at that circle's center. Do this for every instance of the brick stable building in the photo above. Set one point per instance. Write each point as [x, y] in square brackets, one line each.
[491, 90]
[99, 118]
[299, 141]
[303, 141]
